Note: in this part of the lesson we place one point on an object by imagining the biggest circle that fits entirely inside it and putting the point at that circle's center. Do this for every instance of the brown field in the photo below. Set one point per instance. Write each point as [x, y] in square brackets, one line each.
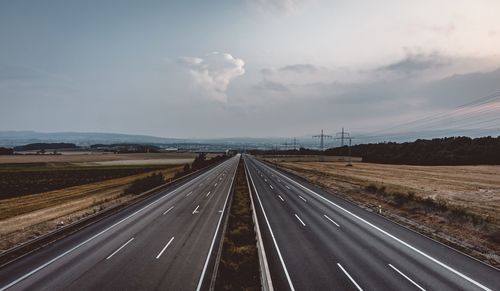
[476, 188]
[74, 157]
[457, 205]
[28, 216]
[307, 158]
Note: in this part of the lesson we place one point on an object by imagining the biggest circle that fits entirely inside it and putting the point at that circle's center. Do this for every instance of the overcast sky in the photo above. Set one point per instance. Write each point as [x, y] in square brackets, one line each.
[242, 68]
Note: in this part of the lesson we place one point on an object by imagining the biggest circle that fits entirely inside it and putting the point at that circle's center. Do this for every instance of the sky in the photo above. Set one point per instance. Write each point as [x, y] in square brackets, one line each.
[249, 68]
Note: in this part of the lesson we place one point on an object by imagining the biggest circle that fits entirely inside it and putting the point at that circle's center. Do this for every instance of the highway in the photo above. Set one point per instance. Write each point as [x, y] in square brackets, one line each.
[317, 241]
[166, 242]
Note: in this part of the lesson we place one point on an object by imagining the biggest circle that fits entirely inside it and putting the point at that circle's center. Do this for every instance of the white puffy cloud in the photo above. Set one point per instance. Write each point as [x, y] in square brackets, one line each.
[214, 72]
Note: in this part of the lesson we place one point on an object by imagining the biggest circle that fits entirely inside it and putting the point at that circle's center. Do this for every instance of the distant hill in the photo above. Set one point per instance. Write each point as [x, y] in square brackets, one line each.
[16, 138]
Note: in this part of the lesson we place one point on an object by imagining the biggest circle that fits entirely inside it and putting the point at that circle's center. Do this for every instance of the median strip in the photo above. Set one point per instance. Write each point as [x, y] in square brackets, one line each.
[239, 262]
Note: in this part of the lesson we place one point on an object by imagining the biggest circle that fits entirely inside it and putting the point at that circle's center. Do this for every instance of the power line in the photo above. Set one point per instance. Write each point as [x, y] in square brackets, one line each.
[322, 137]
[435, 117]
[343, 135]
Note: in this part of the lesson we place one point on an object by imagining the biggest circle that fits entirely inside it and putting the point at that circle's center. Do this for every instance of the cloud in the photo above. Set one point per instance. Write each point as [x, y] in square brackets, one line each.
[414, 64]
[214, 72]
[286, 6]
[295, 68]
[271, 86]
[300, 68]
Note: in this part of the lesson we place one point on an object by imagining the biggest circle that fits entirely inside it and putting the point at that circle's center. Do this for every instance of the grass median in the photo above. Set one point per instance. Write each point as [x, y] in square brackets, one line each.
[239, 263]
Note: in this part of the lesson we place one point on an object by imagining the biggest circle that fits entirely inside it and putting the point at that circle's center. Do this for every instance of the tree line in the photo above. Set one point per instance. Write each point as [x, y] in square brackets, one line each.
[439, 151]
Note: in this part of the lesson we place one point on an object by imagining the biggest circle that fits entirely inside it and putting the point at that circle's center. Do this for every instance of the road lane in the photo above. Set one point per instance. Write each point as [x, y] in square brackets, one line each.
[364, 251]
[152, 260]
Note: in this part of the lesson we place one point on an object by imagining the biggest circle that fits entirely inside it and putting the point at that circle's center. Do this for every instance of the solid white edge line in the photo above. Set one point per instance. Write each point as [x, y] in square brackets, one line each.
[272, 234]
[200, 281]
[281, 198]
[406, 277]
[168, 210]
[300, 219]
[302, 198]
[101, 232]
[123, 245]
[164, 248]
[349, 276]
[391, 236]
[331, 220]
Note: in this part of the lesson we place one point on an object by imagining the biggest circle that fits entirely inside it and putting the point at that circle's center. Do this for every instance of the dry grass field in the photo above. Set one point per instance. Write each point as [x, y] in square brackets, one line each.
[28, 216]
[103, 180]
[307, 158]
[457, 205]
[476, 188]
[75, 157]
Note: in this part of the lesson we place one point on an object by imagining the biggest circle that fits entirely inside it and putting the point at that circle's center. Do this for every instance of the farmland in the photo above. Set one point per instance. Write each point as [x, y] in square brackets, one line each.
[40, 196]
[456, 204]
[24, 179]
[90, 157]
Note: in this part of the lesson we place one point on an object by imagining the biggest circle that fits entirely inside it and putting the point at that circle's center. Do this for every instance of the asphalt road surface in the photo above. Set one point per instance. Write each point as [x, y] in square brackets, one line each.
[317, 241]
[166, 242]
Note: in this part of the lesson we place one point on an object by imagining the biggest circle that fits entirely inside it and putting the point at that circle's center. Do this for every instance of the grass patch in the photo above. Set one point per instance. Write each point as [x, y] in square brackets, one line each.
[239, 264]
[427, 205]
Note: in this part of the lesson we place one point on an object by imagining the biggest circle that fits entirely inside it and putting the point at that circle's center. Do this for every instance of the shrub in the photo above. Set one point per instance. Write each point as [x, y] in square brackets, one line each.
[144, 184]
[372, 188]
[494, 235]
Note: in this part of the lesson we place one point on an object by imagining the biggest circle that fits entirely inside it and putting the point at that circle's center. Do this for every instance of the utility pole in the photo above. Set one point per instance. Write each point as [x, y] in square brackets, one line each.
[294, 144]
[286, 144]
[345, 135]
[322, 137]
[349, 157]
